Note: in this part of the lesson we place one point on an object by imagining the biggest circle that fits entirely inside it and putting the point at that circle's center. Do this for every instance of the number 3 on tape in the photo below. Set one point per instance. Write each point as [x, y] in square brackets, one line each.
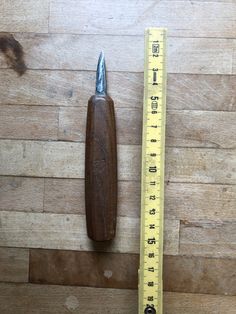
[152, 178]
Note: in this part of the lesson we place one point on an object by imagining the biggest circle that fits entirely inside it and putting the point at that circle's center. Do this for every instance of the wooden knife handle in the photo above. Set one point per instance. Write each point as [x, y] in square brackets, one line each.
[101, 169]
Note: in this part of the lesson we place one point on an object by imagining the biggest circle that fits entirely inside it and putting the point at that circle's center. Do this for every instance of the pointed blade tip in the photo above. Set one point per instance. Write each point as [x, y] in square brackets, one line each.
[101, 85]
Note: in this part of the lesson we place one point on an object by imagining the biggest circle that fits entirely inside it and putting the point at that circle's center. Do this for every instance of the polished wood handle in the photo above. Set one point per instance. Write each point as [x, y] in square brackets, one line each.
[101, 169]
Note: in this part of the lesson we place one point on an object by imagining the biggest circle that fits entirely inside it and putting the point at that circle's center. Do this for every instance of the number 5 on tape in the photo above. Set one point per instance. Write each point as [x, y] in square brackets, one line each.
[152, 179]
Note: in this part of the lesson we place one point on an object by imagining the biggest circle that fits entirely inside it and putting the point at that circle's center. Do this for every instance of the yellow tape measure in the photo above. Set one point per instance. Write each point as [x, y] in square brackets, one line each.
[152, 193]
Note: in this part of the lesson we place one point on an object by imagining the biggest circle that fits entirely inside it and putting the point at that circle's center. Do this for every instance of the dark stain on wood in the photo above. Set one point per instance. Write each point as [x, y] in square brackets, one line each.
[192, 274]
[13, 52]
[96, 269]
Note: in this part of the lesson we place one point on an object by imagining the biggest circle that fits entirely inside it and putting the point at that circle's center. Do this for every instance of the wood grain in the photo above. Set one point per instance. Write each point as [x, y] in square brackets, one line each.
[29, 122]
[21, 194]
[200, 165]
[66, 196]
[200, 201]
[62, 159]
[91, 269]
[68, 232]
[67, 88]
[63, 88]
[79, 52]
[101, 169]
[185, 128]
[38, 299]
[200, 275]
[182, 18]
[188, 128]
[208, 238]
[72, 125]
[58, 159]
[189, 303]
[24, 16]
[200, 129]
[14, 265]
[120, 271]
[214, 92]
[42, 135]
[182, 200]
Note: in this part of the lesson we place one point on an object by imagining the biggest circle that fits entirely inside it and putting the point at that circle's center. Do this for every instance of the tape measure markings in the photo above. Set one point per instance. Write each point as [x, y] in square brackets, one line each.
[153, 146]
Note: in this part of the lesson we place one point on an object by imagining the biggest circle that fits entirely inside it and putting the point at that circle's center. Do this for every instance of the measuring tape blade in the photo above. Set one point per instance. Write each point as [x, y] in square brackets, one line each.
[152, 181]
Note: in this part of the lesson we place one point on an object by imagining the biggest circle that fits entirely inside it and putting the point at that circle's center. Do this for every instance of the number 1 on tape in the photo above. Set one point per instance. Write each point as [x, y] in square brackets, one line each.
[152, 178]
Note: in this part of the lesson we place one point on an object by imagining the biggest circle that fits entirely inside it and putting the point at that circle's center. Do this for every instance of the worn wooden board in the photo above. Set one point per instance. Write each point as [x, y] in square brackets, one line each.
[21, 194]
[14, 265]
[91, 269]
[181, 273]
[42, 127]
[201, 201]
[208, 238]
[189, 303]
[61, 231]
[24, 16]
[59, 159]
[200, 165]
[63, 159]
[29, 122]
[182, 18]
[189, 128]
[182, 200]
[201, 92]
[63, 88]
[59, 300]
[67, 196]
[200, 275]
[38, 299]
[80, 52]
[200, 129]
[185, 128]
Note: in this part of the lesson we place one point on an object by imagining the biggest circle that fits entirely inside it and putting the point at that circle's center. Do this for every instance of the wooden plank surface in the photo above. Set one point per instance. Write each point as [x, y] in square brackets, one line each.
[42, 130]
[208, 238]
[80, 52]
[189, 128]
[205, 238]
[185, 128]
[201, 92]
[59, 231]
[63, 159]
[24, 16]
[14, 265]
[59, 159]
[63, 88]
[91, 269]
[200, 129]
[182, 200]
[21, 194]
[181, 273]
[201, 201]
[200, 165]
[29, 122]
[200, 275]
[37, 299]
[189, 303]
[182, 18]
